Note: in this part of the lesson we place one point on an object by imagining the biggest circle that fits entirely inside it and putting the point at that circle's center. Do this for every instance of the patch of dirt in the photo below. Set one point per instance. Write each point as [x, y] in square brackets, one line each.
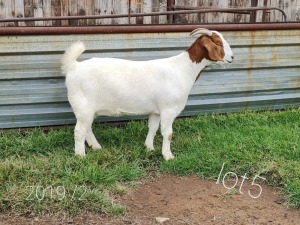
[187, 201]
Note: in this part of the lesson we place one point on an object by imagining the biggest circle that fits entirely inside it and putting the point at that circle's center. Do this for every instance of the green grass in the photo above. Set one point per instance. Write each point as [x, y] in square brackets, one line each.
[39, 173]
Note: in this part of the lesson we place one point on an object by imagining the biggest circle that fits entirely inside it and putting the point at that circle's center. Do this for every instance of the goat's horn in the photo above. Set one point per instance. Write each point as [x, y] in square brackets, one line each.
[200, 31]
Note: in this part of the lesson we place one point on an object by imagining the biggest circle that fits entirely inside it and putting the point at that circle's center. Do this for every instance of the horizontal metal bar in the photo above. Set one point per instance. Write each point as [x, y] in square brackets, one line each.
[142, 14]
[143, 28]
[231, 10]
[177, 7]
[99, 16]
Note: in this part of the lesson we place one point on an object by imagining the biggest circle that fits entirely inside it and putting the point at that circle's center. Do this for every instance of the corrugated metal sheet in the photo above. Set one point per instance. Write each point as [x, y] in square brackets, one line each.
[265, 73]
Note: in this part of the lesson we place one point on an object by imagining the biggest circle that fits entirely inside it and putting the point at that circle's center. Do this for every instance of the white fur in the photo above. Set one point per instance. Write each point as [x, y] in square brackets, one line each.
[115, 87]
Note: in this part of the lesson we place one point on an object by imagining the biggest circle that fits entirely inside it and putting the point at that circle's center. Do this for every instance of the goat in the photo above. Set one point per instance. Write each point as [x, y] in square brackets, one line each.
[158, 88]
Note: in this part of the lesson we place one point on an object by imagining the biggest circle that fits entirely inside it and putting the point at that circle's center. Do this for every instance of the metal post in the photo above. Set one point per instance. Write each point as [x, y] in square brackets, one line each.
[170, 4]
[129, 11]
[254, 3]
[139, 7]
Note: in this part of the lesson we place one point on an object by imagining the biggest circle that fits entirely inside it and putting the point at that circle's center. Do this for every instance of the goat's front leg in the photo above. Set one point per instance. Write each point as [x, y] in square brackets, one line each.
[91, 140]
[167, 131]
[153, 124]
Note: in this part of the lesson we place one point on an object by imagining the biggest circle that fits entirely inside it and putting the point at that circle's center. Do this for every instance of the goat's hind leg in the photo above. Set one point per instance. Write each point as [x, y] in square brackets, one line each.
[167, 119]
[91, 140]
[153, 124]
[83, 124]
[80, 133]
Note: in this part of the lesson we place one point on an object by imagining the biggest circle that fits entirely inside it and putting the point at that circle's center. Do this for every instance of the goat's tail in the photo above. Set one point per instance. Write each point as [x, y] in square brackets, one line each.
[71, 55]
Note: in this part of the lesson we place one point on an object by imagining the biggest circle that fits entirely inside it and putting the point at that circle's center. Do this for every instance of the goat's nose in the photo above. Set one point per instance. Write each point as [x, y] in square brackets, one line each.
[232, 57]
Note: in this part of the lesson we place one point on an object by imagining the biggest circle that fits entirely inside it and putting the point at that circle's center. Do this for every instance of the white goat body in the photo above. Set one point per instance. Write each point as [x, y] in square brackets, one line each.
[115, 87]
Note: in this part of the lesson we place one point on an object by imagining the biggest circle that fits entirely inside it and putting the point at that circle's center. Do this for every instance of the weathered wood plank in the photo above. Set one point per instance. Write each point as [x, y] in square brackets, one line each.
[120, 7]
[90, 10]
[155, 8]
[7, 10]
[147, 8]
[103, 8]
[56, 11]
[38, 8]
[223, 16]
[65, 12]
[73, 12]
[29, 11]
[290, 8]
[38, 11]
[2, 11]
[19, 8]
[47, 11]
[81, 11]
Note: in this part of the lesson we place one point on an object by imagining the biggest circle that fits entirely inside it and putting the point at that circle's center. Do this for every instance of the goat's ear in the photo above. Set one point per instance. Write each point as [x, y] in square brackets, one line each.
[215, 52]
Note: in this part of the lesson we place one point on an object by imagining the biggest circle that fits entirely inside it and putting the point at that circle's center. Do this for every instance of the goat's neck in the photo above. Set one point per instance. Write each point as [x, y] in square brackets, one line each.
[191, 69]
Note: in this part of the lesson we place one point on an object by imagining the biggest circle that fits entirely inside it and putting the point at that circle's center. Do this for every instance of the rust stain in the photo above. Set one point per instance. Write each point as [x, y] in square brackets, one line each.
[250, 79]
[13, 120]
[251, 55]
[274, 59]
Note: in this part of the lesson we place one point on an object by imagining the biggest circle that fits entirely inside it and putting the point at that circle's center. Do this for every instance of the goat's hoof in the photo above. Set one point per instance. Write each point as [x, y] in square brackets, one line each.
[80, 154]
[96, 146]
[149, 147]
[168, 156]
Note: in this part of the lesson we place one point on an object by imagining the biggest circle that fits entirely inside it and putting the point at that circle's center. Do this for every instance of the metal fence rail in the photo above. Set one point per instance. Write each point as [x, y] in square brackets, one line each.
[265, 73]
[144, 29]
[190, 10]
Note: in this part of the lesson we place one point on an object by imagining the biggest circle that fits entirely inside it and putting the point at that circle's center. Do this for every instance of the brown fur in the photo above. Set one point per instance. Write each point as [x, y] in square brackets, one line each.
[208, 47]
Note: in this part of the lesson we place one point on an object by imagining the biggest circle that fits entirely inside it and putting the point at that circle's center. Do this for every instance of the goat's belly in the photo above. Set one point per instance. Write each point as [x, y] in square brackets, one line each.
[126, 111]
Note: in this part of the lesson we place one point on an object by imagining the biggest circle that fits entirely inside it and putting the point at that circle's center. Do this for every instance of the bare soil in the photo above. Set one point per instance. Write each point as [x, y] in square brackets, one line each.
[188, 200]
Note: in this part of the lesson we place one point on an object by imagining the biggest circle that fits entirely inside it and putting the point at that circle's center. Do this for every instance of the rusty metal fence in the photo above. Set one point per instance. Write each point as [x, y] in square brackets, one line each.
[266, 71]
